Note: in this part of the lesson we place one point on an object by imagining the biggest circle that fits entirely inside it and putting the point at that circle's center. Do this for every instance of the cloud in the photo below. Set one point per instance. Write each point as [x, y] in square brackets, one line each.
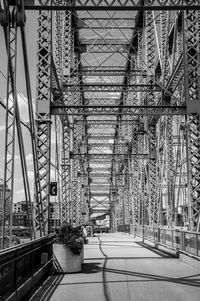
[53, 137]
[52, 175]
[19, 195]
[2, 128]
[30, 175]
[29, 159]
[17, 157]
[23, 107]
[18, 180]
[19, 192]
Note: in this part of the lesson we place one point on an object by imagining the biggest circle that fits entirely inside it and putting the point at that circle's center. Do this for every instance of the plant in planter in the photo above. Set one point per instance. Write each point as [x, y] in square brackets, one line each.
[71, 237]
[68, 249]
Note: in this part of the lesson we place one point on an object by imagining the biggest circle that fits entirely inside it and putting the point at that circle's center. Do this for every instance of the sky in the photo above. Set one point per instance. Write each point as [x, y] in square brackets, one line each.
[31, 37]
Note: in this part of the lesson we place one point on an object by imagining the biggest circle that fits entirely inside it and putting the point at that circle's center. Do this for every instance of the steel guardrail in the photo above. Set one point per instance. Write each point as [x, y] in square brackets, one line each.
[187, 242]
[21, 262]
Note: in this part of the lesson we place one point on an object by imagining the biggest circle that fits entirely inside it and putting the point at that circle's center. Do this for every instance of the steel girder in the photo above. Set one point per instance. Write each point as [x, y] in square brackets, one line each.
[150, 61]
[109, 71]
[135, 182]
[11, 103]
[43, 128]
[91, 48]
[75, 166]
[66, 146]
[113, 87]
[135, 163]
[66, 172]
[114, 110]
[129, 129]
[58, 123]
[116, 5]
[192, 90]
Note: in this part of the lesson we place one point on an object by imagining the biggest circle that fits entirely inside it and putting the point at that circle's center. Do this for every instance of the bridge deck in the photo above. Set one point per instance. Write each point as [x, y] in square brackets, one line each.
[120, 268]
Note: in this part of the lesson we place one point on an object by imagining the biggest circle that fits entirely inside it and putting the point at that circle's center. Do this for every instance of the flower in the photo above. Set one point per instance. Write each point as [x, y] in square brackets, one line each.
[71, 237]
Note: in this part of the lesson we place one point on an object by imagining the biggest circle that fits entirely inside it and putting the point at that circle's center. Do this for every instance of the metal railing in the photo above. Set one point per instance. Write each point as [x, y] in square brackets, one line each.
[123, 228]
[187, 242]
[18, 264]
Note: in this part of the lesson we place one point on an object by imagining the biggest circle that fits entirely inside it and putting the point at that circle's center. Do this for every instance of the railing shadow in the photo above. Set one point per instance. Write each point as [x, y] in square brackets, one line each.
[45, 291]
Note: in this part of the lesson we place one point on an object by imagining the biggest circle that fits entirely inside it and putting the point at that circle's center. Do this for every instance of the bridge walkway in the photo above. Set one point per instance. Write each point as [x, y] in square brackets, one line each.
[119, 267]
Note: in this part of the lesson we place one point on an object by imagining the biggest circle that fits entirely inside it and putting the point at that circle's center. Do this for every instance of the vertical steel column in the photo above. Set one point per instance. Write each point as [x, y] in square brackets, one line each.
[43, 122]
[136, 141]
[191, 41]
[170, 170]
[119, 178]
[58, 173]
[150, 61]
[66, 127]
[152, 181]
[65, 198]
[124, 134]
[76, 136]
[165, 18]
[10, 31]
[82, 215]
[132, 178]
[59, 18]
[126, 198]
[135, 181]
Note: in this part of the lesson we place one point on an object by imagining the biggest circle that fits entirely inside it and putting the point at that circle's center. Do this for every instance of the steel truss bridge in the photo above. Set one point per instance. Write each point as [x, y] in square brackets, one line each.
[118, 83]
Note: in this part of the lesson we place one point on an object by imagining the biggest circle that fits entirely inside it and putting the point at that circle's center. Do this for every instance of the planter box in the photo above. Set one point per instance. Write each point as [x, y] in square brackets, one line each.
[67, 262]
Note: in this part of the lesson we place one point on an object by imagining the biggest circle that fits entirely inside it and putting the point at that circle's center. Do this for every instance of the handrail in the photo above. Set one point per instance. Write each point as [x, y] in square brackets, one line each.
[182, 241]
[19, 263]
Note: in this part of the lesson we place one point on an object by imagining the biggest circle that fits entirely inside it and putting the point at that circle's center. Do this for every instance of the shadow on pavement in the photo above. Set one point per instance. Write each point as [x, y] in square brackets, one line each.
[45, 290]
[90, 268]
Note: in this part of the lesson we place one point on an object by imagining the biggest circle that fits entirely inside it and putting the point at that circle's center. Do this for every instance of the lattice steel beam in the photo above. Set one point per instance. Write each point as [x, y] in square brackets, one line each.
[116, 5]
[66, 204]
[114, 110]
[112, 87]
[91, 48]
[99, 194]
[107, 156]
[192, 91]
[108, 71]
[11, 103]
[43, 97]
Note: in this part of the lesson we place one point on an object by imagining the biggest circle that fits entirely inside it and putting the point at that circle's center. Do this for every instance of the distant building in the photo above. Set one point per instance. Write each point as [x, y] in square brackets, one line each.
[20, 207]
[54, 210]
[20, 219]
[8, 203]
[20, 216]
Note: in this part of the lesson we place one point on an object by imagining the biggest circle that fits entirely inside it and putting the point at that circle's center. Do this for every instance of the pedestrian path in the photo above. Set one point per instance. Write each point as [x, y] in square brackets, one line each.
[119, 267]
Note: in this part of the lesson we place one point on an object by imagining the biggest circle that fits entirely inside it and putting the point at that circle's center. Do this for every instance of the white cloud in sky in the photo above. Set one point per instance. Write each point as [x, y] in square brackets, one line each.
[29, 159]
[53, 137]
[23, 106]
[52, 175]
[19, 195]
[20, 192]
[18, 180]
[2, 128]
[30, 175]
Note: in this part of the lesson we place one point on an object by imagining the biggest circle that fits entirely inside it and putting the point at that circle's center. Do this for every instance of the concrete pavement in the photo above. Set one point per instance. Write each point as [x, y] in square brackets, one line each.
[119, 267]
